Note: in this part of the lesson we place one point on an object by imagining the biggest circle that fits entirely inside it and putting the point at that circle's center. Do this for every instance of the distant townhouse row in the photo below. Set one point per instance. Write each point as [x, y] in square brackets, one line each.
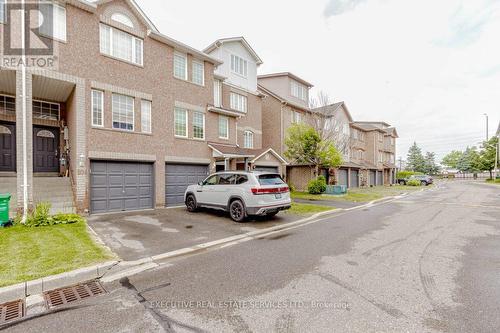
[132, 116]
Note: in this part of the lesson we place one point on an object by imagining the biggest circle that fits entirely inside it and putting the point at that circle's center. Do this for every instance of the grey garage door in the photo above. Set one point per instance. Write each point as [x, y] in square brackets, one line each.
[342, 177]
[379, 178]
[354, 178]
[120, 186]
[178, 177]
[267, 169]
[373, 175]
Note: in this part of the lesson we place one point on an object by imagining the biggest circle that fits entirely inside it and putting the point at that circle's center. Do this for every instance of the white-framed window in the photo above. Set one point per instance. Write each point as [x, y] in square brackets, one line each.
[146, 107]
[198, 72]
[2, 11]
[46, 110]
[299, 90]
[223, 127]
[97, 108]
[121, 45]
[180, 123]
[123, 112]
[239, 102]
[7, 105]
[198, 125]
[217, 93]
[296, 117]
[180, 66]
[123, 19]
[248, 139]
[53, 18]
[239, 65]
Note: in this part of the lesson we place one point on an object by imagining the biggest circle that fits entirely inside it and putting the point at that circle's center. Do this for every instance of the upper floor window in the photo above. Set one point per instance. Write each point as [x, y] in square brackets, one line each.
[239, 65]
[239, 102]
[180, 122]
[198, 125]
[123, 19]
[248, 139]
[46, 110]
[97, 108]
[217, 93]
[296, 117]
[198, 72]
[7, 105]
[146, 116]
[53, 18]
[121, 45]
[393, 141]
[299, 90]
[2, 11]
[123, 112]
[180, 66]
[223, 127]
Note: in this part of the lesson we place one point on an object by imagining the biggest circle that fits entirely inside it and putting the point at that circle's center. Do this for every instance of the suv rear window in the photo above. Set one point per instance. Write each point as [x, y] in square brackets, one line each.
[270, 179]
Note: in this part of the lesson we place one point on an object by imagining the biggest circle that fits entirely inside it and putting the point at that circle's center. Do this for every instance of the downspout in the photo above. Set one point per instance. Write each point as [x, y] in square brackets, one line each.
[23, 79]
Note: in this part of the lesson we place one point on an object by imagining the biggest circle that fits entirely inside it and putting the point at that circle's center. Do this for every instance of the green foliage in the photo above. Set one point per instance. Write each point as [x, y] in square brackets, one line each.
[430, 166]
[40, 217]
[317, 186]
[488, 154]
[406, 174]
[415, 159]
[469, 161]
[451, 160]
[413, 182]
[305, 146]
[495, 181]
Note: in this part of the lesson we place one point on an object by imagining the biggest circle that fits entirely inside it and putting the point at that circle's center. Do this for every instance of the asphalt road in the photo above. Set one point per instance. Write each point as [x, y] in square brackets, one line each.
[429, 262]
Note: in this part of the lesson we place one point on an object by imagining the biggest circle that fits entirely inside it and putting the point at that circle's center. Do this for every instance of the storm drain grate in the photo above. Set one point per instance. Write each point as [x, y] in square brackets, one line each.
[72, 294]
[11, 311]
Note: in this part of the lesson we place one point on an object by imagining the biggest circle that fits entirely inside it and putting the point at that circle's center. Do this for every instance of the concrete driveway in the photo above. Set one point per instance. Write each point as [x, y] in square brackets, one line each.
[135, 235]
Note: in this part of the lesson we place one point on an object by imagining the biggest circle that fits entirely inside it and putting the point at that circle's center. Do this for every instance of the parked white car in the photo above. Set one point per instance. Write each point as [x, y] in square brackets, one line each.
[240, 193]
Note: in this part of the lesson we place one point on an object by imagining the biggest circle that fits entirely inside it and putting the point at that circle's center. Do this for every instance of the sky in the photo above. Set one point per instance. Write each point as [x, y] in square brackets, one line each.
[430, 68]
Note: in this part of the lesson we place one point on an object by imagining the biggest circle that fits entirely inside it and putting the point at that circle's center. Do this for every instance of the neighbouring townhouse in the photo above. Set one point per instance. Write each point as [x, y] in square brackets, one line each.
[368, 148]
[129, 116]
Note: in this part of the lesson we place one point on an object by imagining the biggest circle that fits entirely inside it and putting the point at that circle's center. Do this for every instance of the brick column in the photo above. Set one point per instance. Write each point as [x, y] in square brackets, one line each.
[19, 139]
[80, 147]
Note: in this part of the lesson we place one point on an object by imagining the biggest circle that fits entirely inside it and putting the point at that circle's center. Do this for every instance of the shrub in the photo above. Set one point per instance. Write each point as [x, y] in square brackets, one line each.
[317, 186]
[40, 217]
[406, 174]
[413, 182]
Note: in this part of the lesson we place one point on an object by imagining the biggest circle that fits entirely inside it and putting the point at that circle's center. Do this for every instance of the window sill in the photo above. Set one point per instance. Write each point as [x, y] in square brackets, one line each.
[122, 60]
[64, 41]
[189, 139]
[115, 130]
[191, 82]
[241, 76]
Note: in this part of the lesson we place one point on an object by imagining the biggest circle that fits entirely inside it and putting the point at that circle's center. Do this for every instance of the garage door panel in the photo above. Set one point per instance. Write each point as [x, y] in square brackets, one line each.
[119, 186]
[342, 177]
[354, 182]
[178, 177]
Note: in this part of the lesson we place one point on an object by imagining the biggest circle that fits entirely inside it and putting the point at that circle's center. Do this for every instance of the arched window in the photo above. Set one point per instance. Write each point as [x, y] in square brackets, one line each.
[45, 134]
[123, 19]
[5, 130]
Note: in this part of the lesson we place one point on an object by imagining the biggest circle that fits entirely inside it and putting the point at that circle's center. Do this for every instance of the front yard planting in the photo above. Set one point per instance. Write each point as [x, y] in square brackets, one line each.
[307, 209]
[366, 194]
[36, 252]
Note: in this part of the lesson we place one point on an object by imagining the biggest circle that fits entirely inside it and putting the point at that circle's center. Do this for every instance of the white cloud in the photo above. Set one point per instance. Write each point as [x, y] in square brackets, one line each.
[338, 7]
[431, 68]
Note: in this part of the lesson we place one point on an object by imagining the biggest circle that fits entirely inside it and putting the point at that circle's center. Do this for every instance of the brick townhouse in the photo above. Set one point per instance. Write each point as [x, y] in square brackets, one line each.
[129, 115]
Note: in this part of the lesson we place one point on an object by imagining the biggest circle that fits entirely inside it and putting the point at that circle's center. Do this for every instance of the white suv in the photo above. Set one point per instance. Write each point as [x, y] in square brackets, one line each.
[240, 193]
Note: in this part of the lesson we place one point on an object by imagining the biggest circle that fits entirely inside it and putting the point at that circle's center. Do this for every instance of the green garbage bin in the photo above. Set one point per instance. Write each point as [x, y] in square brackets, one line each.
[4, 208]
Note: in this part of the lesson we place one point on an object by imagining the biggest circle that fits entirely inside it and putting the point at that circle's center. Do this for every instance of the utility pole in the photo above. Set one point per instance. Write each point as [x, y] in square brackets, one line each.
[486, 115]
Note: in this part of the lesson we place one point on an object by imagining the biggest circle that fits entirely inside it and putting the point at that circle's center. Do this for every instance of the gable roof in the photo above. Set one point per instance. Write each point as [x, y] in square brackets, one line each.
[137, 11]
[368, 127]
[241, 40]
[289, 74]
[374, 123]
[267, 92]
[330, 110]
[273, 152]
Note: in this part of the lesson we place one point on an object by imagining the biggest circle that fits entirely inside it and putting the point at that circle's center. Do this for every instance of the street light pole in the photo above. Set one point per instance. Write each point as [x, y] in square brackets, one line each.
[486, 115]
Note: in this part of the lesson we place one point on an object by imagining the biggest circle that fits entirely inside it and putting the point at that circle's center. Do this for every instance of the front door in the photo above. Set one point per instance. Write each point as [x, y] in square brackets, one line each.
[7, 147]
[45, 149]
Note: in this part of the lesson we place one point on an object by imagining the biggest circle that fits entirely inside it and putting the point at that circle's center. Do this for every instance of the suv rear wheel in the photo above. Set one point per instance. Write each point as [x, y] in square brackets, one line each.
[191, 203]
[237, 211]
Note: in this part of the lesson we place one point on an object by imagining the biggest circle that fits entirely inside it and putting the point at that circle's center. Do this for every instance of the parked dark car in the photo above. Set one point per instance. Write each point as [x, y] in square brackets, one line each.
[424, 179]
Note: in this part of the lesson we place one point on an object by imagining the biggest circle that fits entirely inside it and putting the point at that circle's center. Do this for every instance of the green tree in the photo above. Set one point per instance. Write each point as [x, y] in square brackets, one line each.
[430, 166]
[305, 146]
[451, 160]
[488, 155]
[470, 161]
[415, 159]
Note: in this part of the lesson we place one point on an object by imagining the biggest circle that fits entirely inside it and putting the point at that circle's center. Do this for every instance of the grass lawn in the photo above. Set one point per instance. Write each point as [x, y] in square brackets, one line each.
[306, 209]
[493, 181]
[360, 194]
[32, 253]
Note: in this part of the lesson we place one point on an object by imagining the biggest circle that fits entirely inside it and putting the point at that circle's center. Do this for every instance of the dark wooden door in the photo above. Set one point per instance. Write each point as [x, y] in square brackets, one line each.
[45, 149]
[7, 147]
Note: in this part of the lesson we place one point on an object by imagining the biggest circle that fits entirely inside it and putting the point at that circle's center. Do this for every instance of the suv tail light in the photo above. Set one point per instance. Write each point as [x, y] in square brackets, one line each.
[273, 190]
